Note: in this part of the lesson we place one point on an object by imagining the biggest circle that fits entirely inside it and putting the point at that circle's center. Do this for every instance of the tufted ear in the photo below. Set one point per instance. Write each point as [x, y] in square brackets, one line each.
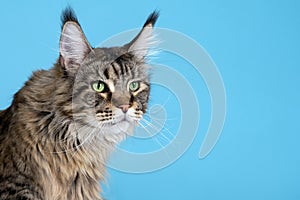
[141, 44]
[74, 46]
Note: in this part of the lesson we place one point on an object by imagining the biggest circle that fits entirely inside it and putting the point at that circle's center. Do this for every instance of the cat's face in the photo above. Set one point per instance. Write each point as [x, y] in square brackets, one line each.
[110, 86]
[111, 92]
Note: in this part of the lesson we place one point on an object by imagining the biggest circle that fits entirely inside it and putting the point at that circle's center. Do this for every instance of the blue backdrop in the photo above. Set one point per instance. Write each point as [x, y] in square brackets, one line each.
[256, 46]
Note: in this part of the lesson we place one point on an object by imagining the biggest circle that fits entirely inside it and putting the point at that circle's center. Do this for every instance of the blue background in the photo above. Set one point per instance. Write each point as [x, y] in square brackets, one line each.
[256, 46]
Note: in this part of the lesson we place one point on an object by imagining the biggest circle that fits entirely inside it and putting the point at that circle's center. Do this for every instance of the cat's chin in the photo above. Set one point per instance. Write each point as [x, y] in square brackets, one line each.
[117, 132]
[121, 127]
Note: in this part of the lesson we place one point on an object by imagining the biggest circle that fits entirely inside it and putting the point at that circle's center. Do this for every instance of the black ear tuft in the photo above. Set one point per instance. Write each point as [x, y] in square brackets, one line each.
[152, 18]
[68, 14]
[145, 40]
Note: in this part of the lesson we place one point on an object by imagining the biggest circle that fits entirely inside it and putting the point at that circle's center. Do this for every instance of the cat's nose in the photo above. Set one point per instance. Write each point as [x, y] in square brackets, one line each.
[124, 108]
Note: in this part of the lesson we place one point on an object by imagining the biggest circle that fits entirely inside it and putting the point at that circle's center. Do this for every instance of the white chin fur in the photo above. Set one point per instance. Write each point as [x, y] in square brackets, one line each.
[116, 133]
[120, 127]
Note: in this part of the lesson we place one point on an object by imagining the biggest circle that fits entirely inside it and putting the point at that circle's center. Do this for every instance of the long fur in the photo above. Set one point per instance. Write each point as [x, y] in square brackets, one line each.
[56, 136]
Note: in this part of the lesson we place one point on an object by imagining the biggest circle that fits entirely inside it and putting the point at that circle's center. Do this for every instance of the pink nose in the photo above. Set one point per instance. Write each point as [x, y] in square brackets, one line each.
[124, 108]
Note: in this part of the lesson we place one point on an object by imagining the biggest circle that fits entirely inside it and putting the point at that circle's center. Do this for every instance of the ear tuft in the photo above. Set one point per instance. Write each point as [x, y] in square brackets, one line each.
[141, 44]
[74, 46]
[68, 14]
[151, 20]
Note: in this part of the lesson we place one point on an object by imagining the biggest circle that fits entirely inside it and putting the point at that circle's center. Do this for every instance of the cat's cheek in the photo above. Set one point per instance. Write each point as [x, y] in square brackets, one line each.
[143, 99]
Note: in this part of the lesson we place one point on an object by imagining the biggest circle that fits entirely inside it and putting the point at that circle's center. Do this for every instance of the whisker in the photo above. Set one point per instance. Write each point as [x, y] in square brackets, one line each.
[159, 119]
[147, 131]
[168, 140]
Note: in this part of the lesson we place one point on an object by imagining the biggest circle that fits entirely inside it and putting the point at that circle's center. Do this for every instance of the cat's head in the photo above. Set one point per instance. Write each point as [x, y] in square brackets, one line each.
[110, 85]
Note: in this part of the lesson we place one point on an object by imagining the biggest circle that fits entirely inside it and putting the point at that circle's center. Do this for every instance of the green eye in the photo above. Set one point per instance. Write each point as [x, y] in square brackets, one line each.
[134, 86]
[98, 86]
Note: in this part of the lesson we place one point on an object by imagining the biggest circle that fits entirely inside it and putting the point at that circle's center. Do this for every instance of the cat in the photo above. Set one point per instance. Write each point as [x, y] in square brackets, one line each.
[64, 122]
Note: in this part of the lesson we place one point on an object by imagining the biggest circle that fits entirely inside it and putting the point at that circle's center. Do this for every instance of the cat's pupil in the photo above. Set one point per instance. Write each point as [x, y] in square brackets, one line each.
[99, 84]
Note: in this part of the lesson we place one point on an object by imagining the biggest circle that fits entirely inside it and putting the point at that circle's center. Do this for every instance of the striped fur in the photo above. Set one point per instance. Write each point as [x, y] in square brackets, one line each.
[58, 132]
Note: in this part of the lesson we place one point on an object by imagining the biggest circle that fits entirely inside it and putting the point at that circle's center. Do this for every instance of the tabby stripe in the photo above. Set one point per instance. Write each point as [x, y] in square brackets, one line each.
[131, 99]
[122, 69]
[115, 70]
[119, 62]
[106, 74]
[128, 70]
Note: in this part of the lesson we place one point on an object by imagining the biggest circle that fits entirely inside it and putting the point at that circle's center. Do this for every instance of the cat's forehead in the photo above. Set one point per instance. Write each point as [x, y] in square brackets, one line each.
[113, 63]
[107, 54]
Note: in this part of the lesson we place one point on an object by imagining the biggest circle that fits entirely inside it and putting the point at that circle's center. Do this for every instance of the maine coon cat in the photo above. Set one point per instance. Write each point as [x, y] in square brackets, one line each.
[62, 124]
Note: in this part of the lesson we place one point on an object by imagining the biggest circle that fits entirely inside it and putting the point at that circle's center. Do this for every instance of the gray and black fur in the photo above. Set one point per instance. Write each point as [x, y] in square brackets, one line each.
[62, 124]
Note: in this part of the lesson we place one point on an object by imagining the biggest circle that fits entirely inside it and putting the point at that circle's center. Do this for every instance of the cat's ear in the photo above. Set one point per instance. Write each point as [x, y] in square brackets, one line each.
[141, 44]
[74, 46]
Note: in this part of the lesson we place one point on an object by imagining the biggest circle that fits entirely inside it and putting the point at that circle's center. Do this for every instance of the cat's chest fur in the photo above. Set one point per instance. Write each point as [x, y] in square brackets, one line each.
[73, 177]
[52, 172]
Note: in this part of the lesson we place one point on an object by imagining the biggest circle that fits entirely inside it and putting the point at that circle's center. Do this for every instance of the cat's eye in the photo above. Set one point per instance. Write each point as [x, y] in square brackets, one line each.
[98, 86]
[134, 86]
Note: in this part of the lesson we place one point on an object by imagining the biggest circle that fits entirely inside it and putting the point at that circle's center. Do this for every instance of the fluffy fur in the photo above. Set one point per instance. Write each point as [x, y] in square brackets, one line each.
[60, 128]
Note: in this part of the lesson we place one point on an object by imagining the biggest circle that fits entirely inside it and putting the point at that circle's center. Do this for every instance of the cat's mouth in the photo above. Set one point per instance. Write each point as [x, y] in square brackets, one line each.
[121, 123]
